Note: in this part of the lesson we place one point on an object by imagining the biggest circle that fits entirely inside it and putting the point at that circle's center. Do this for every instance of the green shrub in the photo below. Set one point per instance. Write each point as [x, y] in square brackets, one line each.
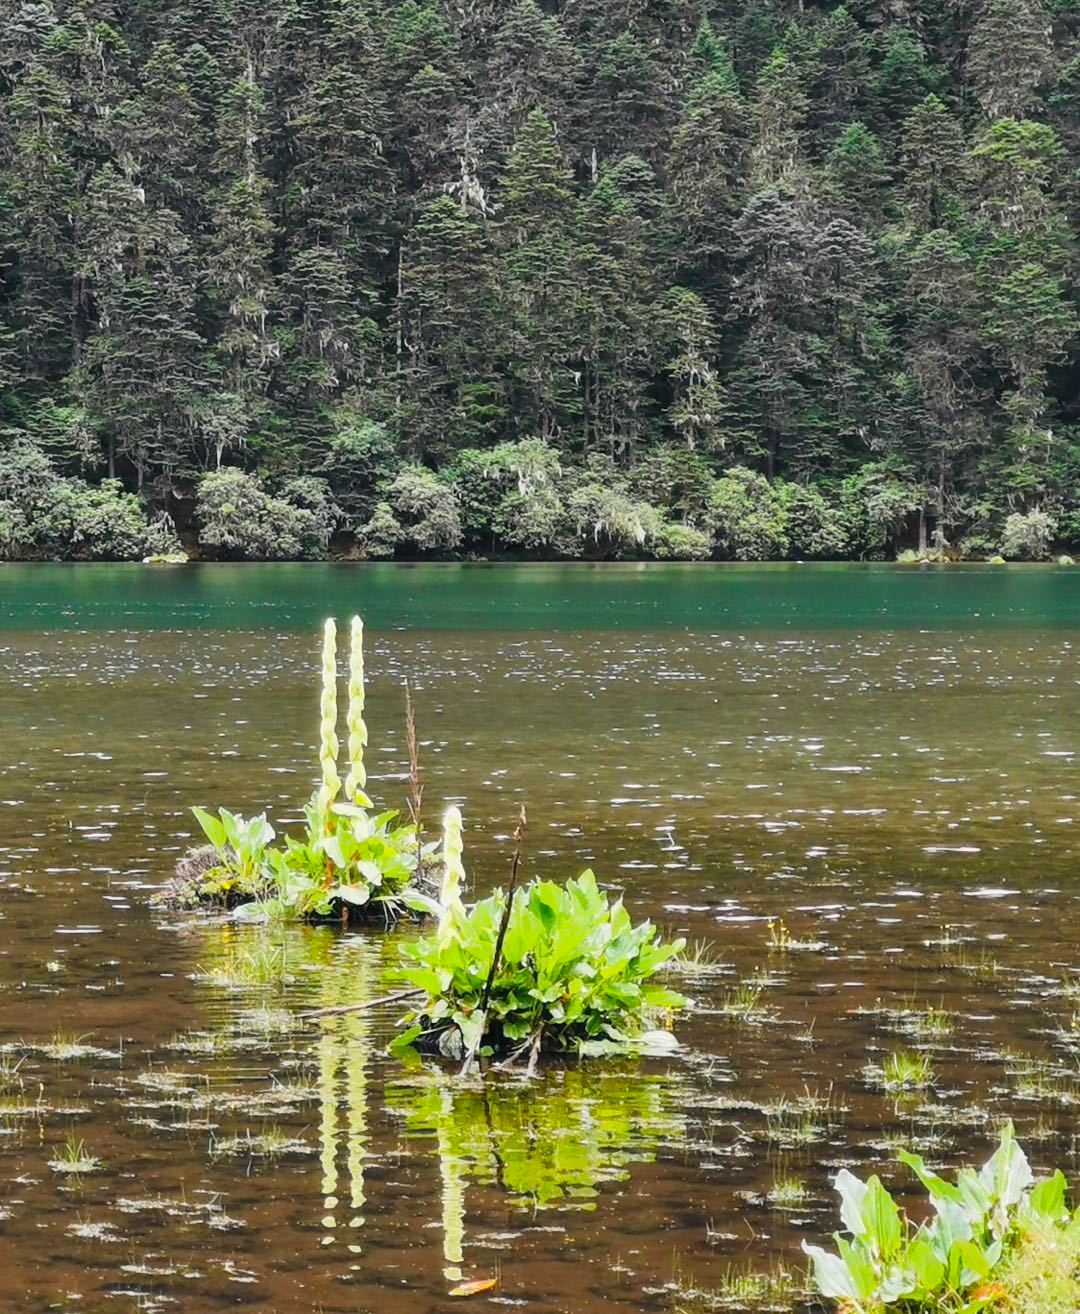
[1028, 535]
[678, 481]
[977, 547]
[574, 974]
[511, 491]
[814, 529]
[683, 543]
[382, 534]
[106, 524]
[161, 539]
[876, 506]
[15, 533]
[605, 521]
[313, 496]
[427, 510]
[534, 520]
[746, 517]
[345, 864]
[239, 520]
[44, 514]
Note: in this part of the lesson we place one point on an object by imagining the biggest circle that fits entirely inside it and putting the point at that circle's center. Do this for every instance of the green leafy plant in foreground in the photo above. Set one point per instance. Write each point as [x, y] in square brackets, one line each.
[348, 862]
[954, 1261]
[574, 974]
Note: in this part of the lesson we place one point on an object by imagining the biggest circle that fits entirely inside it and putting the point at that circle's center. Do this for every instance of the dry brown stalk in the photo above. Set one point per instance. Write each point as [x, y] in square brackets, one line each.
[416, 789]
[485, 999]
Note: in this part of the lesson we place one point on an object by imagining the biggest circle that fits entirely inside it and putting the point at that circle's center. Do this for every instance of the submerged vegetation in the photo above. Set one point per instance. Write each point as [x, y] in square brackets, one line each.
[349, 864]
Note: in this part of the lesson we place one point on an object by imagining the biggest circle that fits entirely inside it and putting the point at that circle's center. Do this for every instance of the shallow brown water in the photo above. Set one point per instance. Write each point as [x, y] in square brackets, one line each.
[905, 799]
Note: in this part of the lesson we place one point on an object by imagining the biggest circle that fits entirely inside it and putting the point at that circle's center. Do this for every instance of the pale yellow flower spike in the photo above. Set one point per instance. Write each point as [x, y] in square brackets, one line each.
[328, 740]
[356, 780]
[453, 872]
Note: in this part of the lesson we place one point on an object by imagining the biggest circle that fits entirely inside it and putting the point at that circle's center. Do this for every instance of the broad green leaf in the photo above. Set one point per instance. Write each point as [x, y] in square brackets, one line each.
[212, 827]
[357, 895]
[421, 903]
[1046, 1201]
[831, 1275]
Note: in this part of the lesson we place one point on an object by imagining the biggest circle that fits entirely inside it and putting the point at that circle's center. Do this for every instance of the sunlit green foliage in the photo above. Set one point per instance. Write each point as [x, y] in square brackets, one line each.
[575, 975]
[960, 1259]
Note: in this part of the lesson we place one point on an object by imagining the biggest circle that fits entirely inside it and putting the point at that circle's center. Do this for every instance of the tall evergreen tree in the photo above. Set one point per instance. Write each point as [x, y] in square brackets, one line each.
[567, 248]
[141, 369]
[1010, 56]
[539, 282]
[446, 389]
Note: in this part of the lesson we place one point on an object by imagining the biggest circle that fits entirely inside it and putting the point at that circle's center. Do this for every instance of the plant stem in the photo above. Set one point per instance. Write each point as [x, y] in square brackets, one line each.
[485, 999]
[416, 789]
[367, 1003]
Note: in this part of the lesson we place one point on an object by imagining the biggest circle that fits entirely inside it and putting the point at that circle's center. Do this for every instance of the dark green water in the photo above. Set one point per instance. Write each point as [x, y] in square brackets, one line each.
[530, 597]
[886, 758]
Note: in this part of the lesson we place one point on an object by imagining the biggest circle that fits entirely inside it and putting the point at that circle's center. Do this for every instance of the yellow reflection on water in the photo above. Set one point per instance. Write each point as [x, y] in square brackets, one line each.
[344, 1054]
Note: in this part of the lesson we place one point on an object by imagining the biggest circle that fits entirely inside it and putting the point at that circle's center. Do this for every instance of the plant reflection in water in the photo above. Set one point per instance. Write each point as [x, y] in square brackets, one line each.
[546, 1142]
[549, 1142]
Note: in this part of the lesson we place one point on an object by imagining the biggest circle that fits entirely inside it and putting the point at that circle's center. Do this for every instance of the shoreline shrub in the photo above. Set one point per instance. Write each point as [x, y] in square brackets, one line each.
[44, 514]
[239, 520]
[1028, 535]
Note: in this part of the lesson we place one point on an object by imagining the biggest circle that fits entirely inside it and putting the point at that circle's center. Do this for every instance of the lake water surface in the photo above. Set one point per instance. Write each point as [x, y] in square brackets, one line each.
[885, 758]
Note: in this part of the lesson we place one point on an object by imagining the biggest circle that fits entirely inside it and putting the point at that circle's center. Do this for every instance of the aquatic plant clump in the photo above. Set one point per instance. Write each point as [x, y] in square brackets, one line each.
[349, 864]
[985, 1228]
[564, 970]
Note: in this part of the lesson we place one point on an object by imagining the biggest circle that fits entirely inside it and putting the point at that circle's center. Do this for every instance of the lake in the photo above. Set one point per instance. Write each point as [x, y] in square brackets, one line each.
[885, 758]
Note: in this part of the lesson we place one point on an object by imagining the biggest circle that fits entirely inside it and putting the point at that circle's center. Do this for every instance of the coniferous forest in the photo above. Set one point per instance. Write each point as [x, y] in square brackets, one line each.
[658, 278]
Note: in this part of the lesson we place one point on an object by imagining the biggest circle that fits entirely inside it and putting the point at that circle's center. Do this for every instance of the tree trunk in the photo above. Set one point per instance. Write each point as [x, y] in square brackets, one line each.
[939, 527]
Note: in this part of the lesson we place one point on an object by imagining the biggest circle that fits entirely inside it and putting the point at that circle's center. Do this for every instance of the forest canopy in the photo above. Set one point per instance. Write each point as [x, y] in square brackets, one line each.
[750, 279]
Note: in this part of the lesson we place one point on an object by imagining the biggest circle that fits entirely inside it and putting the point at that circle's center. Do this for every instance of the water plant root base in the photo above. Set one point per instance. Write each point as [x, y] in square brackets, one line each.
[185, 892]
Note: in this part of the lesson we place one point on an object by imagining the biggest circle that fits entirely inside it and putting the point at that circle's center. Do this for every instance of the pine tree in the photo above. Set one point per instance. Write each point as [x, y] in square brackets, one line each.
[239, 260]
[37, 223]
[533, 65]
[841, 73]
[425, 77]
[780, 109]
[162, 134]
[327, 346]
[903, 80]
[1010, 56]
[446, 388]
[340, 188]
[630, 100]
[857, 176]
[941, 347]
[141, 368]
[539, 282]
[696, 409]
[619, 227]
[934, 166]
[707, 168]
